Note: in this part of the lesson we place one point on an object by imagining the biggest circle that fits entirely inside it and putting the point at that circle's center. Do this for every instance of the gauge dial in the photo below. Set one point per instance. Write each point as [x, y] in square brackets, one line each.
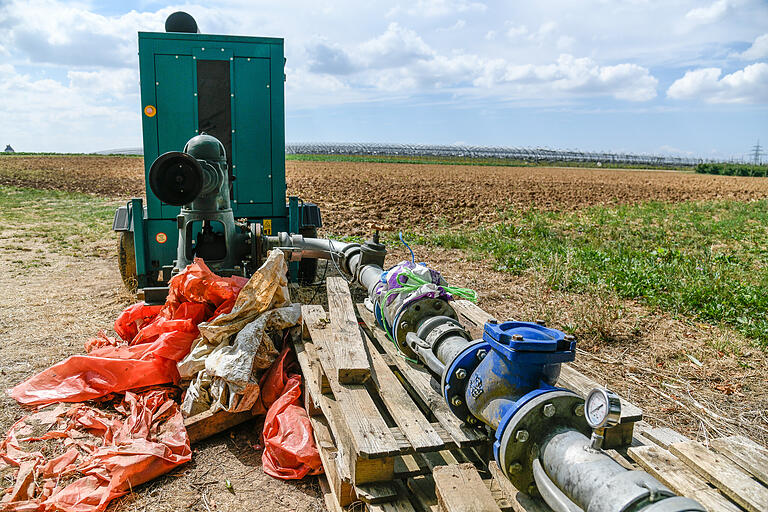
[602, 408]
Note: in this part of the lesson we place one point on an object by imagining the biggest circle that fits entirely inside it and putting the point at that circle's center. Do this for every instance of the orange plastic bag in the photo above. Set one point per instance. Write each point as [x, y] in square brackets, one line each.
[107, 453]
[290, 452]
[157, 336]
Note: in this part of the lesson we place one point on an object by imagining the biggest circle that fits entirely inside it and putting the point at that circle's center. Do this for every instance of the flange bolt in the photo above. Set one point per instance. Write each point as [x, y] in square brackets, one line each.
[515, 468]
[549, 410]
[517, 337]
[521, 436]
[481, 353]
[492, 321]
[461, 373]
[541, 323]
[456, 401]
[532, 490]
[579, 410]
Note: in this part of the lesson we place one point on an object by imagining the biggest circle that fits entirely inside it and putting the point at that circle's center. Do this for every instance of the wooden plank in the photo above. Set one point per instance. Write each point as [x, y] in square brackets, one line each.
[619, 435]
[339, 483]
[498, 495]
[662, 436]
[305, 355]
[369, 433]
[459, 488]
[672, 472]
[206, 424]
[423, 490]
[746, 453]
[410, 465]
[416, 428]
[519, 501]
[471, 316]
[419, 379]
[328, 497]
[379, 492]
[620, 459]
[352, 364]
[724, 474]
[402, 504]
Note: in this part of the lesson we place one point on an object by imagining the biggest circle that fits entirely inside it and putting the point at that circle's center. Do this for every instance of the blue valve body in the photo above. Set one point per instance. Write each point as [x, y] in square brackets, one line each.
[514, 363]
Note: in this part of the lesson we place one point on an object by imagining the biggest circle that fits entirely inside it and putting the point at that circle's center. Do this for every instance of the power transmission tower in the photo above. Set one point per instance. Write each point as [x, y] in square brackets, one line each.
[757, 153]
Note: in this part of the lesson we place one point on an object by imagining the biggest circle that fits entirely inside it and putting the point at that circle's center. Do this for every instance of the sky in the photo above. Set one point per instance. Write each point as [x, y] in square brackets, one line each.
[645, 76]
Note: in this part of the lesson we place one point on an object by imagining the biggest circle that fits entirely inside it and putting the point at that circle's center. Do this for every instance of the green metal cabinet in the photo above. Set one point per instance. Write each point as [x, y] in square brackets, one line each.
[231, 87]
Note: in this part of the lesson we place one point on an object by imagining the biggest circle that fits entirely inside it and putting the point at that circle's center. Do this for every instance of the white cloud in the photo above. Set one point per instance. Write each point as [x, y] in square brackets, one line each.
[397, 46]
[460, 24]
[113, 83]
[57, 33]
[84, 114]
[545, 32]
[710, 13]
[517, 31]
[570, 75]
[758, 50]
[400, 61]
[437, 8]
[748, 85]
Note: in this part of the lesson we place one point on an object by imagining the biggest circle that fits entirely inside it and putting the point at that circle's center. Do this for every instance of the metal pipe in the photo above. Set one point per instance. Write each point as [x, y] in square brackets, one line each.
[567, 471]
[448, 348]
[576, 469]
[551, 493]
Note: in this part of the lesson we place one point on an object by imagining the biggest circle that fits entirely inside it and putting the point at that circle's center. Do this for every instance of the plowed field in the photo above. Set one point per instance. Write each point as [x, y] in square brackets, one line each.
[353, 195]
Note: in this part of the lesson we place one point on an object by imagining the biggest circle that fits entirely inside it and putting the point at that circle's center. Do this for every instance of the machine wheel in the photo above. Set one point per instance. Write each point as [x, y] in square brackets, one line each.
[308, 266]
[126, 260]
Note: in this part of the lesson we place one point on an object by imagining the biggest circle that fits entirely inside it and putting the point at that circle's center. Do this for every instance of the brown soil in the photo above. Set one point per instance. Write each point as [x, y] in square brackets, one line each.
[101, 175]
[354, 195]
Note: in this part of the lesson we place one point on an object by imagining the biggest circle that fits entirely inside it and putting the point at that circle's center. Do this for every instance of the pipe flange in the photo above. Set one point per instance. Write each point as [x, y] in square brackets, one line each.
[455, 388]
[518, 443]
[413, 314]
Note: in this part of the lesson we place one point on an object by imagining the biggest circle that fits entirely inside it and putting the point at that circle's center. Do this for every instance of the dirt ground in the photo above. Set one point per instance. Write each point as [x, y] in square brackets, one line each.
[700, 380]
[414, 196]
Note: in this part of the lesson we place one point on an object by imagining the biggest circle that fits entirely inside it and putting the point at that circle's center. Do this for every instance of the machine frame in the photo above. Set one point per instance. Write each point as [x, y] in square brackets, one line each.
[180, 73]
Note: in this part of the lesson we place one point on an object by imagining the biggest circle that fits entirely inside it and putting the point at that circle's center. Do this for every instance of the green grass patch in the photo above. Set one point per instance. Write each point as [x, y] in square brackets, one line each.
[704, 259]
[499, 162]
[729, 169]
[66, 222]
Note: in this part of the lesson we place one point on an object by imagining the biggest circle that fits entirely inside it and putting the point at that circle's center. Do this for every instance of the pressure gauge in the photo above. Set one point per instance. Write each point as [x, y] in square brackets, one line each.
[602, 408]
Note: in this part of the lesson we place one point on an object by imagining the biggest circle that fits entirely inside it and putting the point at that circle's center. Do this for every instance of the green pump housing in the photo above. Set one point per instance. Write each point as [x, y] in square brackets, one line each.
[230, 87]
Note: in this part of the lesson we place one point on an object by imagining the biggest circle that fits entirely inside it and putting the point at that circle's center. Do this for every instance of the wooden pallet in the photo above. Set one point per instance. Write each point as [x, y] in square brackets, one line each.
[385, 440]
[388, 440]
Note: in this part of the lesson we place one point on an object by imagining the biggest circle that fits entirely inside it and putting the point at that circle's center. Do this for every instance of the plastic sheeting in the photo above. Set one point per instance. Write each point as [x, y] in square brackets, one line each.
[233, 350]
[102, 454]
[155, 339]
[221, 331]
[289, 448]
